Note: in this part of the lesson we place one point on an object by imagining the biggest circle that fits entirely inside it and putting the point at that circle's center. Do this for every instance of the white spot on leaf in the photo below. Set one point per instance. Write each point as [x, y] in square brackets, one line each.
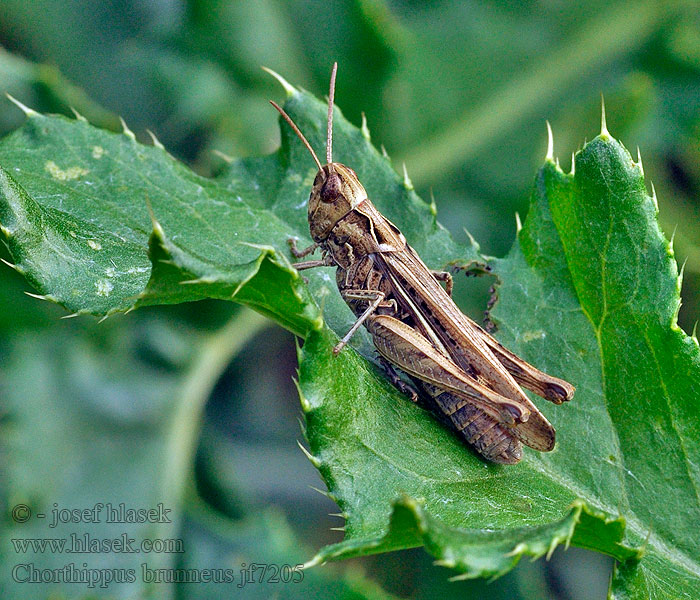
[64, 175]
[94, 244]
[104, 287]
[97, 152]
[529, 336]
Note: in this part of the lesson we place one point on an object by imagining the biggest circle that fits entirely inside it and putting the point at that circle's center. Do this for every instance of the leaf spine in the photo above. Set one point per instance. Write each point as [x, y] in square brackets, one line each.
[433, 206]
[315, 489]
[201, 280]
[519, 549]
[11, 265]
[289, 89]
[604, 133]
[407, 183]
[445, 562]
[672, 240]
[157, 229]
[156, 142]
[225, 157]
[126, 131]
[316, 560]
[37, 296]
[24, 108]
[680, 274]
[78, 116]
[364, 128]
[312, 459]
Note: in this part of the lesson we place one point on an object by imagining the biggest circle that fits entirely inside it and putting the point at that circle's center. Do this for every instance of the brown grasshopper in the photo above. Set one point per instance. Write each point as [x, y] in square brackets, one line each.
[468, 379]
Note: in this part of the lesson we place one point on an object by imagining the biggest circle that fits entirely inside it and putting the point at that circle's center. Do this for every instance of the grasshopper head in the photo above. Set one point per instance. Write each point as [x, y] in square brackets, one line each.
[335, 192]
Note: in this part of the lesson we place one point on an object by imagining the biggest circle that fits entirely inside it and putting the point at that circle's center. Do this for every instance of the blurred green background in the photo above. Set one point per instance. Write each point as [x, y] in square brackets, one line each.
[200, 397]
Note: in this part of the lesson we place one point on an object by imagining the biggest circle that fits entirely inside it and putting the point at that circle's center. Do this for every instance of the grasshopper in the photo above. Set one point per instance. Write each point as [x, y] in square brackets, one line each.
[457, 370]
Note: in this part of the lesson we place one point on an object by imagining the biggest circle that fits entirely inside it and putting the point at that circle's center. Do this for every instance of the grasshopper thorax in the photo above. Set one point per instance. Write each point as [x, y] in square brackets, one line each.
[336, 192]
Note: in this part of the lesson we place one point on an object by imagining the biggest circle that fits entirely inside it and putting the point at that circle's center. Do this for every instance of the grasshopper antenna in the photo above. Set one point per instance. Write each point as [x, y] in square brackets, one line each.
[299, 133]
[331, 94]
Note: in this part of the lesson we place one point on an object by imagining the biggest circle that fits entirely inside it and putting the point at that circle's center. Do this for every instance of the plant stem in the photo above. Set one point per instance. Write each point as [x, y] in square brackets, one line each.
[212, 357]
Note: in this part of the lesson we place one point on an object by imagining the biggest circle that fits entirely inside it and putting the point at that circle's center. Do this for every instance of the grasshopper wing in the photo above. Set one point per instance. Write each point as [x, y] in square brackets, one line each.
[406, 348]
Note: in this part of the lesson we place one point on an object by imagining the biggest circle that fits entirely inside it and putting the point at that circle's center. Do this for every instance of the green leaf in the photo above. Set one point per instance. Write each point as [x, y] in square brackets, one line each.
[589, 293]
[75, 214]
[379, 453]
[626, 282]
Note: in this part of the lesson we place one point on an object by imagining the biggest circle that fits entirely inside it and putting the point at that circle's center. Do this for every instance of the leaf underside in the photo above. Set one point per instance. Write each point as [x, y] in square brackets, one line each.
[589, 292]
